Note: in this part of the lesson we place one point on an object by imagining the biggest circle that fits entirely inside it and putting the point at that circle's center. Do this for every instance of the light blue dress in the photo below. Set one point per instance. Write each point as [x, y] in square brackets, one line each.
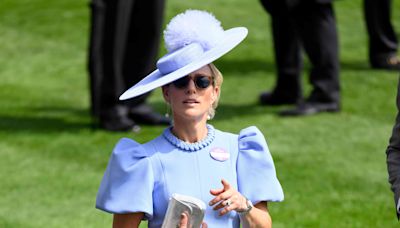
[141, 178]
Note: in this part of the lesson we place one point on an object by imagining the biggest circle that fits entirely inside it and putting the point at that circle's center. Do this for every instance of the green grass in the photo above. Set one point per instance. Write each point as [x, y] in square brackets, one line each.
[332, 166]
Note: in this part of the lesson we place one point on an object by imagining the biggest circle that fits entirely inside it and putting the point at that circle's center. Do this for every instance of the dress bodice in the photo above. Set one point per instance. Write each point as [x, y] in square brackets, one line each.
[142, 178]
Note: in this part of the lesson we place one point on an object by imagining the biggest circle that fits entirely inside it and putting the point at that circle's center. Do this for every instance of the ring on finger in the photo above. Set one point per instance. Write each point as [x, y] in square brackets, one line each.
[228, 202]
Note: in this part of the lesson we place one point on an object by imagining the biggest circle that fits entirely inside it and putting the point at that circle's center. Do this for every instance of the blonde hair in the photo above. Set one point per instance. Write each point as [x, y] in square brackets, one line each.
[217, 81]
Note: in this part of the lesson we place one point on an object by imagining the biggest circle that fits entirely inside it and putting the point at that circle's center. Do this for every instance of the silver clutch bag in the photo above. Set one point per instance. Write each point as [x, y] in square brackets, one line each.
[179, 204]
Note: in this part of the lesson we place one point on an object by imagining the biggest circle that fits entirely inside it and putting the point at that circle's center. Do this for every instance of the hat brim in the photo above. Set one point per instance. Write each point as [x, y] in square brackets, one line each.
[156, 79]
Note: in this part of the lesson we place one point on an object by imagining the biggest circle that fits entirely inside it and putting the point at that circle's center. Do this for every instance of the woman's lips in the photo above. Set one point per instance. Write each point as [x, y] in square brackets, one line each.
[190, 101]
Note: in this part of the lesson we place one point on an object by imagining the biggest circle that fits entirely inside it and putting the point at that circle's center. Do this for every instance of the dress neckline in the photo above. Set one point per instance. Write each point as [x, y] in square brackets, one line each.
[190, 146]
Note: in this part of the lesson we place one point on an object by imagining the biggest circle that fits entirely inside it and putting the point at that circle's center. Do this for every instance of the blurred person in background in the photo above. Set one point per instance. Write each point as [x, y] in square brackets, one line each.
[233, 173]
[393, 157]
[124, 41]
[310, 25]
[383, 42]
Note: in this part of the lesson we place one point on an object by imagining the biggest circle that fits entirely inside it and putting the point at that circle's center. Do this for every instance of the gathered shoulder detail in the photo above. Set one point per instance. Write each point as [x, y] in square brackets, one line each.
[127, 168]
[252, 138]
[128, 151]
[257, 178]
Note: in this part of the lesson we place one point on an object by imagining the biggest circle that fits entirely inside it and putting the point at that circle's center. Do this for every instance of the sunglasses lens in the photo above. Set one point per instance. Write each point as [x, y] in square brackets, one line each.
[202, 82]
[181, 83]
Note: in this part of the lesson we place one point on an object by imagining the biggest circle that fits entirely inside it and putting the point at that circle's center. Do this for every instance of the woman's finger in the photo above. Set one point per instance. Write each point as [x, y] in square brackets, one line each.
[221, 194]
[226, 184]
[226, 210]
[221, 197]
[215, 192]
[219, 206]
[184, 221]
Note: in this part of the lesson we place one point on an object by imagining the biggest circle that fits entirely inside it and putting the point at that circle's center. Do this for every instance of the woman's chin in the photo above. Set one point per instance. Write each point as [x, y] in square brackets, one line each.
[193, 116]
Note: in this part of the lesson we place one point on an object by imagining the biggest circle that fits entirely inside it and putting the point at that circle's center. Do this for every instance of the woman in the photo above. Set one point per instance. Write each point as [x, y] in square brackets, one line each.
[230, 172]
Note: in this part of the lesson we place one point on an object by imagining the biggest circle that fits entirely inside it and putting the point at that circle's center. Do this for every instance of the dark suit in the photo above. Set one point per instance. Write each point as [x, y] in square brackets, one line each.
[382, 38]
[309, 24]
[393, 155]
[123, 48]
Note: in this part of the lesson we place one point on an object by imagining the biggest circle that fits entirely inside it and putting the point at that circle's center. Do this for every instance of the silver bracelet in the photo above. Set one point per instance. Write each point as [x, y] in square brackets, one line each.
[249, 205]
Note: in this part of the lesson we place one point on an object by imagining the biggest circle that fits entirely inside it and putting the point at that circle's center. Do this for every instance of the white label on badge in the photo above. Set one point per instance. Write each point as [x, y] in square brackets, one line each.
[219, 154]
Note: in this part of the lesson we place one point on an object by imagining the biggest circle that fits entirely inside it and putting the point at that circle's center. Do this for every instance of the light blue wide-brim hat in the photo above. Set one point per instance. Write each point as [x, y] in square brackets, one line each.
[193, 39]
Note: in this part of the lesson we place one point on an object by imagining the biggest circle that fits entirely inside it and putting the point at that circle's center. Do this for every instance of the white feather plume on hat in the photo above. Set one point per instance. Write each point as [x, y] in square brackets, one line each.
[193, 26]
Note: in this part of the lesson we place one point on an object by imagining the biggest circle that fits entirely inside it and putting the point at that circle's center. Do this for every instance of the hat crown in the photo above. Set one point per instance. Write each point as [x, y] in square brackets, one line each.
[193, 26]
[179, 58]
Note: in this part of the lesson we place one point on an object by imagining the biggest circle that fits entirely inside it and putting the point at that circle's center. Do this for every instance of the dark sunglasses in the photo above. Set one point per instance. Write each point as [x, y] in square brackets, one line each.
[201, 82]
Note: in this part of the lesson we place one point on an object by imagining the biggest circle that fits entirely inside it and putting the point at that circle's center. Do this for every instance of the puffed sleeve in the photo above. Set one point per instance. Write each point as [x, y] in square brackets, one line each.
[127, 183]
[255, 168]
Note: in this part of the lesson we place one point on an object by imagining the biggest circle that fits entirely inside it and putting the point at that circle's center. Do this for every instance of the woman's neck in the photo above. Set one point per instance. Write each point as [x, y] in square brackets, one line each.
[190, 132]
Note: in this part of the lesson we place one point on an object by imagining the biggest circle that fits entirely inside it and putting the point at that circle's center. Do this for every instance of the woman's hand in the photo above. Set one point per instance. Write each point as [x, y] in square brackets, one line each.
[185, 220]
[227, 199]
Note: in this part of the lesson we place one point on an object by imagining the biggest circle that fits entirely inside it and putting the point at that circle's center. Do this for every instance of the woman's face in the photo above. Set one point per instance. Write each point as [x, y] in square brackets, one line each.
[189, 101]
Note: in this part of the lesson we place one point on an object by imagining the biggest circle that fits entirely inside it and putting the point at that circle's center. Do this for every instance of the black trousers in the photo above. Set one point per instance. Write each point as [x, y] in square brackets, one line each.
[123, 47]
[382, 38]
[312, 26]
[393, 155]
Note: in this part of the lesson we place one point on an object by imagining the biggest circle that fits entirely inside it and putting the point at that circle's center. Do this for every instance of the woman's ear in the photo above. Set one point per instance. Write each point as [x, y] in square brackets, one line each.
[215, 93]
[165, 92]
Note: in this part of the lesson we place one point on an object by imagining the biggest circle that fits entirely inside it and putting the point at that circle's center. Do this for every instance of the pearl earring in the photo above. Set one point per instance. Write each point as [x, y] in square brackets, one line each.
[168, 111]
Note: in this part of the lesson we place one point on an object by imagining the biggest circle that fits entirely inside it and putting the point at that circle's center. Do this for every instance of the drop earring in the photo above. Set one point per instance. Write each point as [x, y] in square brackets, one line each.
[168, 111]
